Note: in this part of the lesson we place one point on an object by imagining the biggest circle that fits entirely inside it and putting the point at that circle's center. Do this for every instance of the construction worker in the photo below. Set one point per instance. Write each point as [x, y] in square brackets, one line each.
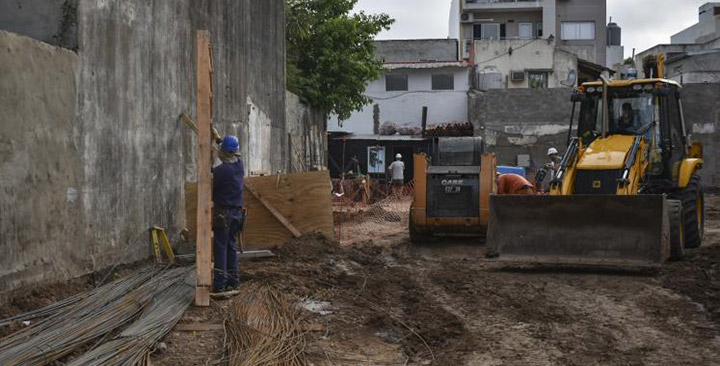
[513, 184]
[228, 180]
[397, 173]
[554, 157]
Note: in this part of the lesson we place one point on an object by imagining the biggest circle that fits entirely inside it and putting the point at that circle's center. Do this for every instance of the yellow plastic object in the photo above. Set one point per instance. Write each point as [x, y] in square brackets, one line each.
[158, 238]
[687, 169]
[626, 83]
[606, 153]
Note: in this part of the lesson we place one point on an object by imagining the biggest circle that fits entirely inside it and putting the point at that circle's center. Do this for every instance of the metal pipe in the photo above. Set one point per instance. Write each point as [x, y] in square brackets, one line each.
[605, 114]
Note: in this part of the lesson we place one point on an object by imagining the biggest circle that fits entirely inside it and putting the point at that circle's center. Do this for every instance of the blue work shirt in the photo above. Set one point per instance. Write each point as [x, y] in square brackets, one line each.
[228, 179]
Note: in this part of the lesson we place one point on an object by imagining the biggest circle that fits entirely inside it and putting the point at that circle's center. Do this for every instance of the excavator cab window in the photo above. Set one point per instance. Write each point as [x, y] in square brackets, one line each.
[631, 112]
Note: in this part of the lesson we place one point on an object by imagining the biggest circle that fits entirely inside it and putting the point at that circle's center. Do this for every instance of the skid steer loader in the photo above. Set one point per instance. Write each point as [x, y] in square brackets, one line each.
[626, 192]
[452, 190]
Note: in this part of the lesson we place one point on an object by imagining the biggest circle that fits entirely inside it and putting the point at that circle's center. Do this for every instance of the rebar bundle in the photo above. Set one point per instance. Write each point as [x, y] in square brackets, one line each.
[133, 345]
[264, 329]
[72, 326]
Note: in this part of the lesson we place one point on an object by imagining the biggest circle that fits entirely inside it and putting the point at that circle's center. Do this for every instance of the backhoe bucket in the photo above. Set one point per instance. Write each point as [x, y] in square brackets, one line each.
[604, 230]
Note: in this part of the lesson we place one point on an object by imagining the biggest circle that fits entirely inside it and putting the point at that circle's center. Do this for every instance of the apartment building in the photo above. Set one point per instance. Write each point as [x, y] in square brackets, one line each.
[531, 43]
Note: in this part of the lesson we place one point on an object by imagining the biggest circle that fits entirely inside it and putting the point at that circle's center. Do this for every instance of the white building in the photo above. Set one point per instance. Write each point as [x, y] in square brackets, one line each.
[693, 56]
[418, 73]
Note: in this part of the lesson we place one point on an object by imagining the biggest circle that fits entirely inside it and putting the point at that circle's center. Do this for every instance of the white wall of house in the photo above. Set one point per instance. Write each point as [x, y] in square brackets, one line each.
[707, 28]
[527, 56]
[405, 107]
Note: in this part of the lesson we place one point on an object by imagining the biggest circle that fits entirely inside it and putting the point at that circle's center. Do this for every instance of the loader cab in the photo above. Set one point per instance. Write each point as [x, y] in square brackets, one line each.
[650, 108]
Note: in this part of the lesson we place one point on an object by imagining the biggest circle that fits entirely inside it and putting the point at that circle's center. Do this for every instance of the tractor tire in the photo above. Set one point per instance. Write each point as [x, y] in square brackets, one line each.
[677, 232]
[693, 203]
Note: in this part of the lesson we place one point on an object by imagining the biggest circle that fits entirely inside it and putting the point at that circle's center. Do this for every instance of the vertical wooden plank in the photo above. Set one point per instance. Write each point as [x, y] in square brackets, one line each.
[204, 190]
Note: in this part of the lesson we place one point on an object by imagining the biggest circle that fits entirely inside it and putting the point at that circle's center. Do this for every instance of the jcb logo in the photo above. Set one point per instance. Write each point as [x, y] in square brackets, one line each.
[597, 184]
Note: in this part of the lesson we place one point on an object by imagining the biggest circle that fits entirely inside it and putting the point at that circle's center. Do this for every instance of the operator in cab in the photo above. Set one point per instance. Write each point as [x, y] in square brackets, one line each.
[627, 120]
[228, 214]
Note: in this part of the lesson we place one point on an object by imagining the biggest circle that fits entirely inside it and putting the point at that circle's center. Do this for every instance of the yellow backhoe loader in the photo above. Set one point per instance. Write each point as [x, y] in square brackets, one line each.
[627, 190]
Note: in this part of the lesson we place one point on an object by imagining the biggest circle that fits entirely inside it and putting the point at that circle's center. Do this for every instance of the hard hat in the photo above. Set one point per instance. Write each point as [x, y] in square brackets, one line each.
[230, 144]
[552, 151]
[398, 156]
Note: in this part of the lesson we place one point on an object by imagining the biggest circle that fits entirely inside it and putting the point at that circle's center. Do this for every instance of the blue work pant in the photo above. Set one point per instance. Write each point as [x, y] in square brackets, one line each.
[225, 250]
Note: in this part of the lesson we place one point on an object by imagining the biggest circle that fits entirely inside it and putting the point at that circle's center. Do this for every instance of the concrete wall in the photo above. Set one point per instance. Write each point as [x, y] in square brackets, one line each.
[405, 107]
[521, 121]
[415, 50]
[695, 68]
[526, 55]
[40, 204]
[701, 106]
[307, 128]
[51, 21]
[135, 75]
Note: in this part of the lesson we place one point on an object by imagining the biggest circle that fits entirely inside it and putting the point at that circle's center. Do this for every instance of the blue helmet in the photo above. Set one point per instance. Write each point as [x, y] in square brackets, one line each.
[230, 144]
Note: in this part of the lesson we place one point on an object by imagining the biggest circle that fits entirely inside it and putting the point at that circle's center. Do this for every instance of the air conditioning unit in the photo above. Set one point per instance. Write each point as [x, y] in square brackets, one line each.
[517, 75]
[466, 18]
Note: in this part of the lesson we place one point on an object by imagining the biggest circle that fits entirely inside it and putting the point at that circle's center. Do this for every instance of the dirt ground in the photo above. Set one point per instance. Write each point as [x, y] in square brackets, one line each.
[377, 300]
[389, 303]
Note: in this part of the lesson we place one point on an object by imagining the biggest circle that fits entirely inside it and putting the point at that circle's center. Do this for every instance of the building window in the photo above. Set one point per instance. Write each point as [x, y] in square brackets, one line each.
[578, 30]
[397, 82]
[526, 30]
[490, 31]
[538, 27]
[443, 82]
[537, 79]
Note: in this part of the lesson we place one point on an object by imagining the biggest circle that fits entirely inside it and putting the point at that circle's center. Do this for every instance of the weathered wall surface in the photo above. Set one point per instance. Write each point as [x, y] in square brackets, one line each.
[411, 50]
[522, 121]
[306, 128]
[40, 209]
[135, 75]
[701, 106]
[51, 21]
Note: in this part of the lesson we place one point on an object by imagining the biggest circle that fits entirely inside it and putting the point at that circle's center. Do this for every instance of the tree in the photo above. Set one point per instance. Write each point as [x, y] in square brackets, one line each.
[628, 61]
[331, 54]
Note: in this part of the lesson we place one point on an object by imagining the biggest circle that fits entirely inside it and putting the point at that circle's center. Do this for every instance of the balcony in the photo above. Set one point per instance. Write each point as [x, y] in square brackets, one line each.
[502, 4]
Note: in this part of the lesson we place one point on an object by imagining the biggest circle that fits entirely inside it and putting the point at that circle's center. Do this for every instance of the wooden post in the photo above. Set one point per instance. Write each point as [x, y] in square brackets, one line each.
[204, 164]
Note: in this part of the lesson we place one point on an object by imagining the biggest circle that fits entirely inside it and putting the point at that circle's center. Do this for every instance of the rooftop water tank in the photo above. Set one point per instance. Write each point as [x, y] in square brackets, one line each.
[614, 33]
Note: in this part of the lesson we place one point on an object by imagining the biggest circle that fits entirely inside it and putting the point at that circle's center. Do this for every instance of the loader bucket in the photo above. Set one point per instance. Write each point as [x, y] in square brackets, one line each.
[606, 230]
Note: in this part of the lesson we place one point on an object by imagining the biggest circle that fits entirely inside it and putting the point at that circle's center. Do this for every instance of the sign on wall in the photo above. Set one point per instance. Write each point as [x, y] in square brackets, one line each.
[376, 159]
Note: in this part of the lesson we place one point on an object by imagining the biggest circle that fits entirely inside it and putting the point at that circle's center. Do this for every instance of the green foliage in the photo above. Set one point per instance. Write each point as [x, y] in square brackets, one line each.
[330, 53]
[628, 61]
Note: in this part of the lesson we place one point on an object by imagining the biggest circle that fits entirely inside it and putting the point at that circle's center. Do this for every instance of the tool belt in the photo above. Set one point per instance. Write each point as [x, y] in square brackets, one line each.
[225, 217]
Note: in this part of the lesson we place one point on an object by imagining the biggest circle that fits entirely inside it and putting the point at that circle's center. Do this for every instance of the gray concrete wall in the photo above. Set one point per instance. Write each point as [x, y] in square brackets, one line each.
[306, 128]
[51, 21]
[522, 121]
[701, 106]
[414, 50]
[135, 75]
[41, 211]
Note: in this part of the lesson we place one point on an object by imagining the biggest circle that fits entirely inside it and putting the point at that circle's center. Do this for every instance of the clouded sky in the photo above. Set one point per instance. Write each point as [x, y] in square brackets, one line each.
[644, 23]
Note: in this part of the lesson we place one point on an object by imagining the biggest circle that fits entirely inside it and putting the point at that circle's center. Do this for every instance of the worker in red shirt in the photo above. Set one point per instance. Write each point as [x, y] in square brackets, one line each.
[513, 184]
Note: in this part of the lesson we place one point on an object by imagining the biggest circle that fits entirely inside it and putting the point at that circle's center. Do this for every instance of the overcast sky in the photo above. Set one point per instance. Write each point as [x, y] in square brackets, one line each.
[644, 23]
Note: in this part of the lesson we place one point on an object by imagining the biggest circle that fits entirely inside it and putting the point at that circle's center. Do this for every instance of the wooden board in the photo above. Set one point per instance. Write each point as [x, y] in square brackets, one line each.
[204, 187]
[191, 209]
[304, 199]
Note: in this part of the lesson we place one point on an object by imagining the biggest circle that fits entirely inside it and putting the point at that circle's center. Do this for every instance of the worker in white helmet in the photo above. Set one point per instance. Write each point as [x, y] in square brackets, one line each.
[554, 163]
[397, 174]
